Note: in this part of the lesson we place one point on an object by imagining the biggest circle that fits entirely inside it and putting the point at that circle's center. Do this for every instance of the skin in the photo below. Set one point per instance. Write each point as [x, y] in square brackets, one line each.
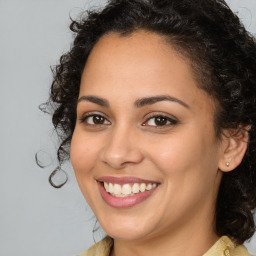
[184, 155]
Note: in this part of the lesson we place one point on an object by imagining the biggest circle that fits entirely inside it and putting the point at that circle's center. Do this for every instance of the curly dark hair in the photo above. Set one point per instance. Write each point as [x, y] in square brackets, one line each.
[223, 57]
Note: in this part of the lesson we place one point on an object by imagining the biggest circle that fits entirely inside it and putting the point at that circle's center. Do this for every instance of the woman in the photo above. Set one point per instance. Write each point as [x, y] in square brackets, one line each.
[156, 102]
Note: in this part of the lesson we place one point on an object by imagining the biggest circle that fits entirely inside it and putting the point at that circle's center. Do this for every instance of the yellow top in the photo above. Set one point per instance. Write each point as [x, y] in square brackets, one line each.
[223, 247]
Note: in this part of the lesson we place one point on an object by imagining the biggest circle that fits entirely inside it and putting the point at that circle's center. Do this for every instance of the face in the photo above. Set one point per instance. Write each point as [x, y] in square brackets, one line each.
[145, 131]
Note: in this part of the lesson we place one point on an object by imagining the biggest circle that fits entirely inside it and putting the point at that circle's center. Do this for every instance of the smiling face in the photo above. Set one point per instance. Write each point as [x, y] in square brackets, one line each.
[143, 124]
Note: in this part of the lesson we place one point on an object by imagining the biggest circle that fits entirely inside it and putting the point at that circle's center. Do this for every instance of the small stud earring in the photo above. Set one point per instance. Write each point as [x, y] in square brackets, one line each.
[227, 164]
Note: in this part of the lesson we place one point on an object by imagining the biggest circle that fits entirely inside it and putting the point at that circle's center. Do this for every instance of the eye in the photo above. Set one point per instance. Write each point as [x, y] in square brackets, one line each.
[94, 119]
[160, 121]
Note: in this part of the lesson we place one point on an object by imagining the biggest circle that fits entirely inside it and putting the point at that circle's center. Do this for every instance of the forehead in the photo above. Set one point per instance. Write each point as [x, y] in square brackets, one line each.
[140, 47]
[138, 64]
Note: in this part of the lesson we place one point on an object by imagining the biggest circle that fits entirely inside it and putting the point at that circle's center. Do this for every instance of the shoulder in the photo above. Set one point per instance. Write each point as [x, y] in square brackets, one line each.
[225, 246]
[102, 248]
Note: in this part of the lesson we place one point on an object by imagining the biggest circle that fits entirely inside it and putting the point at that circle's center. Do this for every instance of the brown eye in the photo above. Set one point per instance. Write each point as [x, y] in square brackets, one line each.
[159, 121]
[94, 120]
[98, 120]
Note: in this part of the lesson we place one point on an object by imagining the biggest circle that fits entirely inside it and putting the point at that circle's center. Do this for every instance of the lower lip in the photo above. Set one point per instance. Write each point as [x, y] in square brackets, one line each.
[124, 202]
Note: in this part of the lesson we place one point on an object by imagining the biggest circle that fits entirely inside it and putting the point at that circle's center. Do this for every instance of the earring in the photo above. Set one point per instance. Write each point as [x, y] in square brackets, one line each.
[227, 164]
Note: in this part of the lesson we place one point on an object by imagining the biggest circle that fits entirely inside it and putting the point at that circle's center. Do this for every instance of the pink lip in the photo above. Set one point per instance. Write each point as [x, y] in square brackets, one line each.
[124, 202]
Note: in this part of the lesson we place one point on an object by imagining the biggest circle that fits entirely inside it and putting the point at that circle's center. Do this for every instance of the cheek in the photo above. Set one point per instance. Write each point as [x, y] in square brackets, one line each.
[174, 152]
[186, 160]
[83, 154]
[189, 174]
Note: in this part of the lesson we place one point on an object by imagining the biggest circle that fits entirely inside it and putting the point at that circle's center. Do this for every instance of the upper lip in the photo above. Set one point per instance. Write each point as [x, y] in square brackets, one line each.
[124, 180]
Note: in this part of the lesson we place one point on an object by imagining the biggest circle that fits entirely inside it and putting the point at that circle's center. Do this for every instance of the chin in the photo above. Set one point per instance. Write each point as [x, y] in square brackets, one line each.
[128, 234]
[126, 229]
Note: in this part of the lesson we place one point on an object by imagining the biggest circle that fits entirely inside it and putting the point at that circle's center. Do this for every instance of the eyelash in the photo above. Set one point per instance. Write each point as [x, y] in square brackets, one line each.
[168, 120]
[85, 118]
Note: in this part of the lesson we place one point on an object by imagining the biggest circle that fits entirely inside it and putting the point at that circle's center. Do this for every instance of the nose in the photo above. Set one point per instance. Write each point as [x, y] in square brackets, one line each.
[121, 149]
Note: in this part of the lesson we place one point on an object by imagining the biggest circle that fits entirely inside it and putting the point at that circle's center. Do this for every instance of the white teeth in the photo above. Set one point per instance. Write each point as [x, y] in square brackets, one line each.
[110, 188]
[127, 189]
[149, 186]
[117, 189]
[142, 187]
[106, 186]
[135, 188]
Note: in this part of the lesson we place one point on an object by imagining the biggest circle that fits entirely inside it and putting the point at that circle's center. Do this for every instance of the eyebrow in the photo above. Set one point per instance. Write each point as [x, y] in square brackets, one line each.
[94, 99]
[138, 103]
[152, 100]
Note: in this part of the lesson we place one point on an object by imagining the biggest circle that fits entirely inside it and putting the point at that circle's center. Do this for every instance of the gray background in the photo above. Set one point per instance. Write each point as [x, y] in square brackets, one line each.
[36, 219]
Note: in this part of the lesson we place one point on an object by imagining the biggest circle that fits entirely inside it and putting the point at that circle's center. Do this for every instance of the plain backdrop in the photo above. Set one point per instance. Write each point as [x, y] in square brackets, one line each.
[36, 219]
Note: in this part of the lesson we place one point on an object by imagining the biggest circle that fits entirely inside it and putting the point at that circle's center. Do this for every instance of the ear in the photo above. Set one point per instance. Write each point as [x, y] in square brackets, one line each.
[234, 145]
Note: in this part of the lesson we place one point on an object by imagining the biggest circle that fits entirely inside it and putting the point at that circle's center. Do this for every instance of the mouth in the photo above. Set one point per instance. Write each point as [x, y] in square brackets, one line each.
[125, 192]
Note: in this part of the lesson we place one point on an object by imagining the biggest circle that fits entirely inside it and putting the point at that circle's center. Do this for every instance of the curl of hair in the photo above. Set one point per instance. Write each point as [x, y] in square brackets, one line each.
[223, 56]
